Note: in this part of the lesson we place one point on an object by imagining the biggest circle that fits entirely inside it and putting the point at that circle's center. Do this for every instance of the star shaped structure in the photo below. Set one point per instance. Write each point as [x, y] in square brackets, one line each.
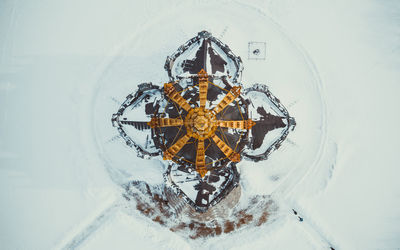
[201, 123]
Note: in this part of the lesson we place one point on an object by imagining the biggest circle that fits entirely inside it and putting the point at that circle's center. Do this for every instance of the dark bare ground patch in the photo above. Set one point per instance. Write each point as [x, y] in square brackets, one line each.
[157, 208]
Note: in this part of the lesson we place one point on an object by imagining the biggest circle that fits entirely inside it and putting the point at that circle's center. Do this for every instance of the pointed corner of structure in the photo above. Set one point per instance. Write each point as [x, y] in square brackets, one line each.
[250, 124]
[168, 85]
[152, 123]
[236, 90]
[167, 156]
[202, 172]
[235, 157]
[202, 74]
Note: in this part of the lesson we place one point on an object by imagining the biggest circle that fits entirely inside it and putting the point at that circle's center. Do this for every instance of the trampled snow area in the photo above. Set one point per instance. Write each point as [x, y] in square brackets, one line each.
[65, 66]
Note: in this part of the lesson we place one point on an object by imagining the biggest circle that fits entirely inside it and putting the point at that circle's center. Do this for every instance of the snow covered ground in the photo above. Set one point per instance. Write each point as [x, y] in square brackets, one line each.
[66, 65]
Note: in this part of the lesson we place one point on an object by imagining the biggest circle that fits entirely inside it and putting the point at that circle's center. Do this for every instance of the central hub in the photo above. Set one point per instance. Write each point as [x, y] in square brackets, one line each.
[200, 123]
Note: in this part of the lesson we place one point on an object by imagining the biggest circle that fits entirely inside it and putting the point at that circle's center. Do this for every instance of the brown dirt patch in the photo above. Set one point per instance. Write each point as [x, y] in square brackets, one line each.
[157, 208]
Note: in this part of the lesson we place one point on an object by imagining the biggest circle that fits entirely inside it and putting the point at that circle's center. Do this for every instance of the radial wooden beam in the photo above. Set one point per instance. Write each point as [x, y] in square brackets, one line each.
[200, 159]
[165, 122]
[229, 98]
[171, 92]
[242, 124]
[232, 155]
[174, 149]
[203, 87]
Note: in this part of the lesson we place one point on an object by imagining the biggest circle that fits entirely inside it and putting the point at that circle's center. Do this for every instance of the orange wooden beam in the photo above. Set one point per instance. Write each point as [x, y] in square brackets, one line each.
[203, 87]
[242, 124]
[200, 159]
[171, 92]
[232, 155]
[165, 122]
[174, 149]
[229, 98]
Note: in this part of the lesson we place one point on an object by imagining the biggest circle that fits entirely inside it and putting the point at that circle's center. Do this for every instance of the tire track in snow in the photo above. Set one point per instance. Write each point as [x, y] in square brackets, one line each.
[76, 239]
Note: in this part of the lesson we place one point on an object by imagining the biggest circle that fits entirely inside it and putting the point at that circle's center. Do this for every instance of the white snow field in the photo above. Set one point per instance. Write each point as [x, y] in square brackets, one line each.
[65, 66]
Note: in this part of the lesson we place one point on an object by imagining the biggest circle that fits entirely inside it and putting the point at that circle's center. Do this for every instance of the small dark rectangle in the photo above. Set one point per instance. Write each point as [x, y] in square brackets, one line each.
[257, 50]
